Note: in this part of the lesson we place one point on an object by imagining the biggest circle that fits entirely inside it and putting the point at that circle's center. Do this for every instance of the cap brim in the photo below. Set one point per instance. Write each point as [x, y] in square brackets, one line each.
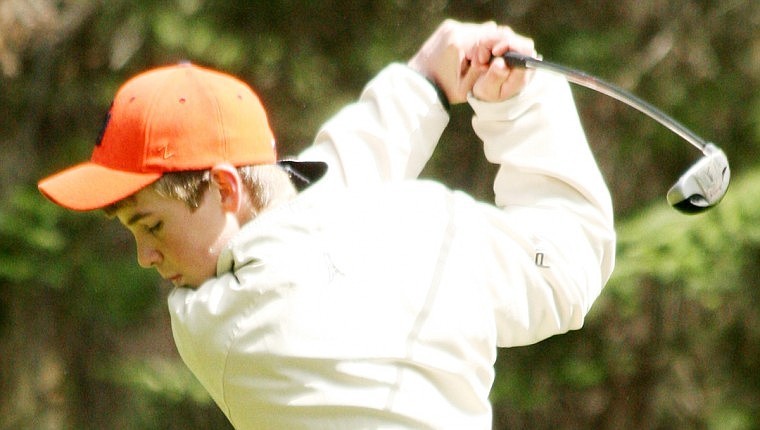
[88, 186]
[303, 173]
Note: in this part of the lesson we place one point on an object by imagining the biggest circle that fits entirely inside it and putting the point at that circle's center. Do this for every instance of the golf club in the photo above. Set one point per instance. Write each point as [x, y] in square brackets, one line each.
[702, 186]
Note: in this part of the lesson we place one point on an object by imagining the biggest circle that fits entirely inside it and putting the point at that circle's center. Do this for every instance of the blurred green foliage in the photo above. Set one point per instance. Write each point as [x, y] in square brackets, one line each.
[673, 342]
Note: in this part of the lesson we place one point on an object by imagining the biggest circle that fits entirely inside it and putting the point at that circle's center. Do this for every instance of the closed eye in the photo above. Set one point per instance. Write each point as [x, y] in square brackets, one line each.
[155, 228]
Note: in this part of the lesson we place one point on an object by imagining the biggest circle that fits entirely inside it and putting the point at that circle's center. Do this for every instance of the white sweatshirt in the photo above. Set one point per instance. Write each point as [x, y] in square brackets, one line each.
[374, 300]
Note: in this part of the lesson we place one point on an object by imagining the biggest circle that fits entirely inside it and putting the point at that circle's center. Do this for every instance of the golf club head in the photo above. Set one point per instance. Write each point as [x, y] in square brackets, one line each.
[703, 185]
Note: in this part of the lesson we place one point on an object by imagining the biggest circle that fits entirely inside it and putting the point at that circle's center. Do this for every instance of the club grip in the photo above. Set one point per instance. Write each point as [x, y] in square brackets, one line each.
[514, 60]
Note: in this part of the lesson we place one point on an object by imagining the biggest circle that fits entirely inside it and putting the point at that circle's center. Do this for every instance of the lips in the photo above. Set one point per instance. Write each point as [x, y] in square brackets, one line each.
[171, 278]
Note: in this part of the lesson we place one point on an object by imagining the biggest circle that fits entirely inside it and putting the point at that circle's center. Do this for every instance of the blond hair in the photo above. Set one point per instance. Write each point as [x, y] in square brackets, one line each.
[266, 184]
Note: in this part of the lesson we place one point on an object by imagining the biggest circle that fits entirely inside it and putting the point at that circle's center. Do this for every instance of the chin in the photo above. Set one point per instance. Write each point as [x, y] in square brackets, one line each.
[192, 284]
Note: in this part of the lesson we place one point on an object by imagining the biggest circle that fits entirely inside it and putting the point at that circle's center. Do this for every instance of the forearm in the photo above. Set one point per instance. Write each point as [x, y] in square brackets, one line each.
[555, 203]
[388, 134]
[538, 133]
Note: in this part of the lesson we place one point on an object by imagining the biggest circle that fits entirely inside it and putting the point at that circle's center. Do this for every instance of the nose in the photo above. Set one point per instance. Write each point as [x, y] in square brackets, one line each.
[147, 255]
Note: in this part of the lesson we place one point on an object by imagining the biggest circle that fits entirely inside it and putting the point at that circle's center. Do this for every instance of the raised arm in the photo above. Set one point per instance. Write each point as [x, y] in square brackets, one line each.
[393, 129]
[388, 134]
[555, 213]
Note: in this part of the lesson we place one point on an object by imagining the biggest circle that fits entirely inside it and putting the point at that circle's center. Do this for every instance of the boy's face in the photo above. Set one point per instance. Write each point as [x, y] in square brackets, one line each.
[182, 245]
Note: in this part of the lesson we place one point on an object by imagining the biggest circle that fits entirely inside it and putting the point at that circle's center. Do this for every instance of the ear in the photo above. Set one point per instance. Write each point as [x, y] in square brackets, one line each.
[227, 180]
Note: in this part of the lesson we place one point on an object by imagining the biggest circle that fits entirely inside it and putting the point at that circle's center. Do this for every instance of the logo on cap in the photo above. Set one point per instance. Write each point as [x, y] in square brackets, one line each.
[167, 154]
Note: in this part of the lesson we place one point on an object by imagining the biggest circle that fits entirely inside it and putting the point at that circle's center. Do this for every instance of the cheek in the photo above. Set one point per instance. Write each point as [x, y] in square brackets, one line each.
[191, 249]
[218, 241]
[189, 255]
[197, 244]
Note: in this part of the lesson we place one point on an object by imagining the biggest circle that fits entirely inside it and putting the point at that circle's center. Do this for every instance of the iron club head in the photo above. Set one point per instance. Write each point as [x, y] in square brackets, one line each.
[703, 185]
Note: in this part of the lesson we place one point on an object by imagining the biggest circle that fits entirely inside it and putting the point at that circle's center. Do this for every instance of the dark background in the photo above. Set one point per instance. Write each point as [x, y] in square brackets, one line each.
[673, 342]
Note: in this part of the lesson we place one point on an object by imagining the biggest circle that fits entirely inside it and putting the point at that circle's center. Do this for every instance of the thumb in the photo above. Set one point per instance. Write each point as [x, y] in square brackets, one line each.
[468, 77]
[488, 87]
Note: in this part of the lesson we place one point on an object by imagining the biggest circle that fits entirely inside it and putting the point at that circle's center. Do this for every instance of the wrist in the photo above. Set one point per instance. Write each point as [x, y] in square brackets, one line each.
[441, 94]
[413, 64]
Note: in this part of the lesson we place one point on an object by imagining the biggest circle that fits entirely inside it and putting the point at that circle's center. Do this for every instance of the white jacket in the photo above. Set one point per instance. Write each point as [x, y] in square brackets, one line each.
[377, 301]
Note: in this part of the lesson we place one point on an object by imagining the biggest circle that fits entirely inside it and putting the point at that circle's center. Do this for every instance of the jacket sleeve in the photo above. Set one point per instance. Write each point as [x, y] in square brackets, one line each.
[554, 208]
[388, 134]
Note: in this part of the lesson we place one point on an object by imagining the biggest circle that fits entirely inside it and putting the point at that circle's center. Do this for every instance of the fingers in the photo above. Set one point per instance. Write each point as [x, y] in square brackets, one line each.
[458, 57]
[488, 87]
[460, 38]
[499, 82]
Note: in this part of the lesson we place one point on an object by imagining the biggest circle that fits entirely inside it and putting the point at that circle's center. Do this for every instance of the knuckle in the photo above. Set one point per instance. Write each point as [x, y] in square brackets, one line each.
[448, 25]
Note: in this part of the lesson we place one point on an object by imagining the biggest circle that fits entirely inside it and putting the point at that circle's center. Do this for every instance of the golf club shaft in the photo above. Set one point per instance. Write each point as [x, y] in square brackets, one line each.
[514, 59]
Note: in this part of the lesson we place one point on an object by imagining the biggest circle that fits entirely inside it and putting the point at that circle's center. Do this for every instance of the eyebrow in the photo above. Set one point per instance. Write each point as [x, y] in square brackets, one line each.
[137, 217]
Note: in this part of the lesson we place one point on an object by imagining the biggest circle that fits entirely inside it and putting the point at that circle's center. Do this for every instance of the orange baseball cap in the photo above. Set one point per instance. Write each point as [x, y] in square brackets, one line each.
[168, 119]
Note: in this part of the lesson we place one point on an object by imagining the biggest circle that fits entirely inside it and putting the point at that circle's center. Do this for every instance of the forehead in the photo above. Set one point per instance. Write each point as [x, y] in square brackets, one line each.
[144, 203]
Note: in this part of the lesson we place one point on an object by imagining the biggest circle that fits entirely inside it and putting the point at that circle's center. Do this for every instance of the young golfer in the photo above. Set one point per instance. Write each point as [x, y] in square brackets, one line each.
[337, 290]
